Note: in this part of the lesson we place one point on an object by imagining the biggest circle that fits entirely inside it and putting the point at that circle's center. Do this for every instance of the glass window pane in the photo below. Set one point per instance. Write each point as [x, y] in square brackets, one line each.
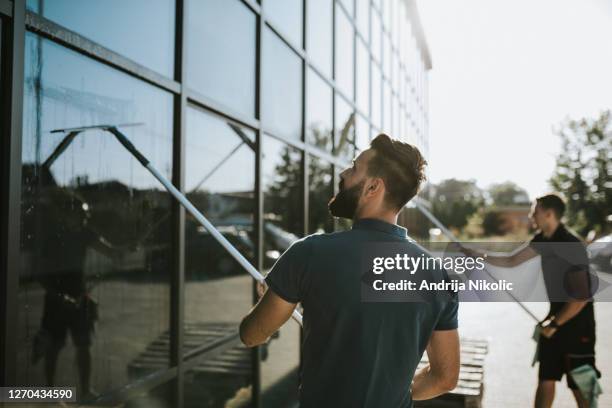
[118, 25]
[362, 133]
[319, 112]
[376, 95]
[363, 18]
[387, 56]
[376, 35]
[287, 16]
[221, 52]
[344, 53]
[282, 87]
[283, 224]
[220, 182]
[349, 6]
[320, 34]
[345, 129]
[363, 77]
[386, 107]
[96, 226]
[320, 191]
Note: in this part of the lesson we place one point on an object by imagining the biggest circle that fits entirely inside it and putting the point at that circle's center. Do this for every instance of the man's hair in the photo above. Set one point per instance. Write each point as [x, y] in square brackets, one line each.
[400, 165]
[553, 202]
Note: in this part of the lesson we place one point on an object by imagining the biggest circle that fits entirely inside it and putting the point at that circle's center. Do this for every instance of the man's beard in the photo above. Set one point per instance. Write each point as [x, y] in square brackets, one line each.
[344, 204]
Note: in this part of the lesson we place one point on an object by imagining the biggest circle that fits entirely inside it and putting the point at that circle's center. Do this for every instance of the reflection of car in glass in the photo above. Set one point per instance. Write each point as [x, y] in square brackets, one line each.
[600, 254]
[207, 259]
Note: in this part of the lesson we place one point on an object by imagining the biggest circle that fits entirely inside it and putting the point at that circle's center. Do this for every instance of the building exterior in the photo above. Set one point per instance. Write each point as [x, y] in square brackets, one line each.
[251, 108]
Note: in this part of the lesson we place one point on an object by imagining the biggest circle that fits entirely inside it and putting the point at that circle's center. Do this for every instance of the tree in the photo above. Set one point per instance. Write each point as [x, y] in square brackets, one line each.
[454, 201]
[507, 193]
[583, 171]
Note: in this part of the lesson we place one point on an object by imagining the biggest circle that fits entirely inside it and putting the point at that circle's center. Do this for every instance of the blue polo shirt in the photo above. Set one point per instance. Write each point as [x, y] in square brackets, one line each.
[354, 353]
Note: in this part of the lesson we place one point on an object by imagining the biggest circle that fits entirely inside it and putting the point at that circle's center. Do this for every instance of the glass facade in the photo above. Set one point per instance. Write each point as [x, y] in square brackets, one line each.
[116, 291]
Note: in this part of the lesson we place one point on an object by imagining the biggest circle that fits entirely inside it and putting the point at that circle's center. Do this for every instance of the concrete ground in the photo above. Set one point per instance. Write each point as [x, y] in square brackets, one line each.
[510, 381]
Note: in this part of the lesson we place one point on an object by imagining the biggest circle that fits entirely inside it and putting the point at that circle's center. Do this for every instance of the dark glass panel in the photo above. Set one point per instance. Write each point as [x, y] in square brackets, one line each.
[319, 112]
[320, 190]
[282, 87]
[345, 71]
[119, 26]
[221, 52]
[96, 231]
[283, 224]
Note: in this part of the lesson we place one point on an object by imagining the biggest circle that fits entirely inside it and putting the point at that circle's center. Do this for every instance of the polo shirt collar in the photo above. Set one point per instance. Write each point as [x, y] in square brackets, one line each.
[381, 226]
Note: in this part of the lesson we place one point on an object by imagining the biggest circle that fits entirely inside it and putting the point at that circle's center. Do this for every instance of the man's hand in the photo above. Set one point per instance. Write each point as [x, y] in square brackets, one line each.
[268, 315]
[548, 329]
[442, 373]
[261, 289]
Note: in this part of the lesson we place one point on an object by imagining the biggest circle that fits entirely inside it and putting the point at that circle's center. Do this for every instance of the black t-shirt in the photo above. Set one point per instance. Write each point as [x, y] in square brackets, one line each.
[354, 353]
[565, 265]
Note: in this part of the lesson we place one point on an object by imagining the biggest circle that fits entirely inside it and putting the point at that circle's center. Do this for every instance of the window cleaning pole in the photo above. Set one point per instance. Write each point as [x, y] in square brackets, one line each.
[453, 238]
[297, 316]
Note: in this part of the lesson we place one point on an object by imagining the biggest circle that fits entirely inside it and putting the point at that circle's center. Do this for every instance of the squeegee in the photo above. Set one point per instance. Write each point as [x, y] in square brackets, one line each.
[113, 129]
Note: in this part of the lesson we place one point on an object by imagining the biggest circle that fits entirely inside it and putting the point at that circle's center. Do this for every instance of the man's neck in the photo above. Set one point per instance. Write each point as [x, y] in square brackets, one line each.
[388, 217]
[550, 229]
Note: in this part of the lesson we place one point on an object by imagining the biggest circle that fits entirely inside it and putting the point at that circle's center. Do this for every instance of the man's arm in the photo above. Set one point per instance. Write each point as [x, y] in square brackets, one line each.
[442, 373]
[509, 261]
[265, 318]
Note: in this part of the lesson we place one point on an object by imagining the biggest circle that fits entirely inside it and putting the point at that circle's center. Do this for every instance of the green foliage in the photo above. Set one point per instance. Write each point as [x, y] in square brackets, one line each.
[507, 193]
[454, 201]
[584, 171]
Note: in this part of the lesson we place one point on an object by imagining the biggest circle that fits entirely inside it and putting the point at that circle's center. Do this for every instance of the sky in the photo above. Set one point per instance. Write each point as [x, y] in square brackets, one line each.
[505, 74]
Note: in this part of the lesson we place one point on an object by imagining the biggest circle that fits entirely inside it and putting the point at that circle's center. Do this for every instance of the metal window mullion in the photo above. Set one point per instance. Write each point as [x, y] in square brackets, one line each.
[259, 198]
[11, 138]
[177, 295]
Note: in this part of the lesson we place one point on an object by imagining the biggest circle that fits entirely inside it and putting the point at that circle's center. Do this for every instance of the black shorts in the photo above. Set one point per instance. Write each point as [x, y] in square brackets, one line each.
[61, 315]
[558, 357]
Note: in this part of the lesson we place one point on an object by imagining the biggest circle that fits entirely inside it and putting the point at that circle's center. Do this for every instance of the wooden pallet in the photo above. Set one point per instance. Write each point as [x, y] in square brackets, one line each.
[227, 371]
[468, 393]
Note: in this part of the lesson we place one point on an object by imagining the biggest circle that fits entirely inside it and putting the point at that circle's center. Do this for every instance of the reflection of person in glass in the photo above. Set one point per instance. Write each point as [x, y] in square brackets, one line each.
[68, 307]
[356, 353]
[567, 339]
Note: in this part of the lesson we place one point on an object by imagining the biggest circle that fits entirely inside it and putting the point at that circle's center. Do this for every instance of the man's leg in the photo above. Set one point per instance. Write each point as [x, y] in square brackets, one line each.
[84, 364]
[581, 402]
[545, 394]
[51, 356]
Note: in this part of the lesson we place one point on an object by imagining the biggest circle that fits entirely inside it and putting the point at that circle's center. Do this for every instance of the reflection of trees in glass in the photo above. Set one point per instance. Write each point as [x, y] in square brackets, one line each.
[283, 196]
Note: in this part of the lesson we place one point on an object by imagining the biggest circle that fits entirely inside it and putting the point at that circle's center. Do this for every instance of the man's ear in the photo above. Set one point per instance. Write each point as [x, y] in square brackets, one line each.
[374, 186]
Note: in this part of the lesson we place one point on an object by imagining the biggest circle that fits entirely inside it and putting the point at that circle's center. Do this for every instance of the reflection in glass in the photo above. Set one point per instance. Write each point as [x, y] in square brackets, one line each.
[118, 25]
[283, 224]
[282, 85]
[95, 244]
[344, 139]
[376, 35]
[220, 182]
[363, 77]
[319, 112]
[386, 107]
[287, 16]
[320, 191]
[319, 36]
[387, 56]
[349, 6]
[344, 53]
[363, 18]
[362, 133]
[376, 96]
[221, 52]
